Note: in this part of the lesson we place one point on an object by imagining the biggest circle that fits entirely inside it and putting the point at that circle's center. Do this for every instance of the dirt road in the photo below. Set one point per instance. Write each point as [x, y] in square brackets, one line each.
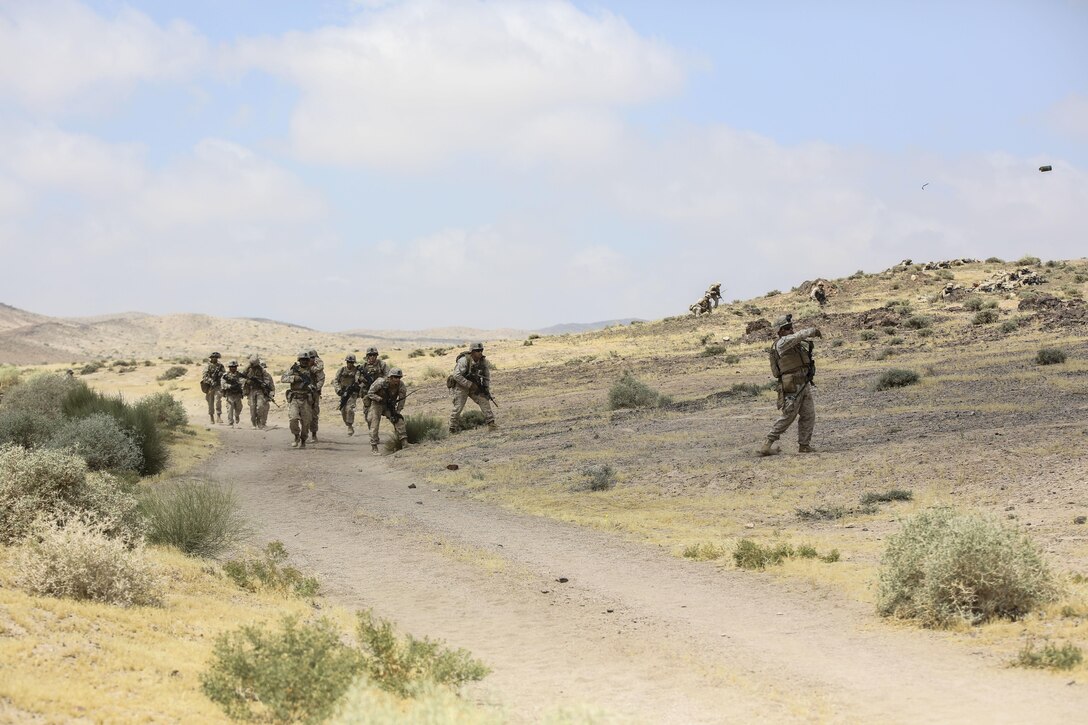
[632, 631]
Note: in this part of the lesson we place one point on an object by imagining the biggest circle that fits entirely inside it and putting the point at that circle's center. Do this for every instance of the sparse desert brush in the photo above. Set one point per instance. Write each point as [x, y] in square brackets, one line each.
[919, 322]
[91, 368]
[404, 665]
[867, 335]
[1010, 326]
[100, 441]
[43, 394]
[366, 704]
[630, 392]
[704, 552]
[185, 361]
[294, 673]
[269, 571]
[9, 377]
[895, 494]
[946, 566]
[168, 412]
[1049, 356]
[25, 428]
[431, 373]
[925, 332]
[822, 513]
[534, 336]
[173, 373]
[81, 402]
[418, 352]
[600, 477]
[739, 389]
[712, 350]
[1028, 261]
[1050, 656]
[56, 485]
[471, 419]
[79, 560]
[200, 518]
[973, 304]
[422, 427]
[986, 317]
[896, 378]
[750, 555]
[995, 260]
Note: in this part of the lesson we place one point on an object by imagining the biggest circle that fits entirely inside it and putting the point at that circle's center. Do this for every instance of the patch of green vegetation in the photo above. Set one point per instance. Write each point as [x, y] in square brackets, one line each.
[896, 378]
[1050, 656]
[630, 392]
[895, 494]
[199, 518]
[1050, 356]
[750, 555]
[269, 571]
[600, 477]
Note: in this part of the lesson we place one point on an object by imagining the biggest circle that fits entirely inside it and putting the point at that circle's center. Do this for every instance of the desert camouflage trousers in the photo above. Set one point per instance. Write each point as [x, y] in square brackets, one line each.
[300, 413]
[234, 407]
[316, 408]
[802, 408]
[374, 415]
[215, 402]
[348, 413]
[258, 408]
[459, 397]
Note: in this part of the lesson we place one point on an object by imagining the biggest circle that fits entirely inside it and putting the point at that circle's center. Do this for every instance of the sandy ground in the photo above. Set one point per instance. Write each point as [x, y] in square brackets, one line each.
[632, 632]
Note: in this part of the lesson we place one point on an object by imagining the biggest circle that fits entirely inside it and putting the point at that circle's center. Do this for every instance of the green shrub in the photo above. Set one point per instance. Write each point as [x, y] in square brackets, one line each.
[986, 317]
[704, 552]
[821, 513]
[973, 304]
[1028, 261]
[712, 350]
[43, 394]
[995, 260]
[830, 557]
[630, 392]
[1010, 326]
[896, 378]
[867, 335]
[750, 555]
[200, 518]
[534, 336]
[895, 494]
[295, 673]
[101, 441]
[527, 343]
[402, 666]
[173, 373]
[925, 332]
[945, 274]
[82, 402]
[1049, 356]
[425, 428]
[10, 376]
[81, 561]
[168, 412]
[418, 352]
[804, 551]
[739, 389]
[598, 478]
[919, 322]
[91, 368]
[471, 419]
[1050, 656]
[268, 571]
[25, 428]
[56, 485]
[945, 566]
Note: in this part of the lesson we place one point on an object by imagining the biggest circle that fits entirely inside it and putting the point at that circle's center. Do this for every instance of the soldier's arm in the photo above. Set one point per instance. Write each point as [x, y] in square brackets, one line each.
[460, 371]
[401, 398]
[791, 341]
[375, 392]
[485, 374]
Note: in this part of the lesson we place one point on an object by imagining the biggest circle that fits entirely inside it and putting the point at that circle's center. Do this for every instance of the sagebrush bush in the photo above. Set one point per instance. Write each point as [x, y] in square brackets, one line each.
[919, 322]
[704, 551]
[10, 376]
[946, 566]
[43, 394]
[56, 484]
[200, 518]
[173, 372]
[25, 428]
[995, 260]
[1049, 356]
[895, 494]
[630, 392]
[1028, 261]
[165, 410]
[600, 477]
[973, 304]
[471, 419]
[712, 350]
[404, 665]
[79, 560]
[269, 571]
[986, 317]
[1050, 656]
[750, 555]
[1010, 326]
[295, 673]
[422, 427]
[896, 378]
[101, 441]
[868, 335]
[82, 402]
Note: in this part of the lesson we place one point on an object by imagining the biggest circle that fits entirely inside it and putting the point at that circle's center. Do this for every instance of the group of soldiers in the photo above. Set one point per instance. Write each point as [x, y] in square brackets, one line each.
[709, 301]
[381, 389]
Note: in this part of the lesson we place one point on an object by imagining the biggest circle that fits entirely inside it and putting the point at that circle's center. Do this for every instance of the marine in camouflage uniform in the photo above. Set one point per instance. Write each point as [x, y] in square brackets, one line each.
[795, 399]
[714, 293]
[300, 395]
[471, 378]
[259, 388]
[387, 399]
[372, 368]
[232, 383]
[318, 368]
[211, 384]
[346, 385]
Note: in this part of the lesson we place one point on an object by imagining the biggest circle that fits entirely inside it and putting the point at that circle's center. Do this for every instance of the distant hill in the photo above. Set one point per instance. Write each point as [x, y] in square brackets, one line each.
[442, 335]
[574, 327]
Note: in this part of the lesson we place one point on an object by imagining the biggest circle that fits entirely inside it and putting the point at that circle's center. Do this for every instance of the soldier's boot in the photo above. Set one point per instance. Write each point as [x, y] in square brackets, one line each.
[768, 448]
[211, 417]
[219, 419]
[374, 449]
[351, 430]
[295, 444]
[492, 427]
[805, 448]
[302, 442]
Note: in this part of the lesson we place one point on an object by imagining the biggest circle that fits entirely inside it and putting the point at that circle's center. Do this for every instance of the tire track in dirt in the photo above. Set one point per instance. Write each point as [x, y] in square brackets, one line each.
[634, 631]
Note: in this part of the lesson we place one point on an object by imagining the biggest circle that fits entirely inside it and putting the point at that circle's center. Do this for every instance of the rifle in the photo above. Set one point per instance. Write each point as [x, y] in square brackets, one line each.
[391, 408]
[353, 388]
[476, 380]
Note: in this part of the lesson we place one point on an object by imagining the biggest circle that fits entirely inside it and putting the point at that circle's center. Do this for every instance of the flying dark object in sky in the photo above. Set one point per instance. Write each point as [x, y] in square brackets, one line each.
[925, 185]
[1048, 167]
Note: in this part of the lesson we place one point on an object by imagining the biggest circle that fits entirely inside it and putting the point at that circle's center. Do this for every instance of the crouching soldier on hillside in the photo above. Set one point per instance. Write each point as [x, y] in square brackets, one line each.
[714, 292]
[793, 365]
[372, 368]
[300, 396]
[346, 385]
[232, 391]
[211, 380]
[387, 398]
[471, 378]
[259, 389]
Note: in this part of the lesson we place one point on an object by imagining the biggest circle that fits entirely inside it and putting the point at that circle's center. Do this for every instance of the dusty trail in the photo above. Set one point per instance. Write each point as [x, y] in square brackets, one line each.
[635, 632]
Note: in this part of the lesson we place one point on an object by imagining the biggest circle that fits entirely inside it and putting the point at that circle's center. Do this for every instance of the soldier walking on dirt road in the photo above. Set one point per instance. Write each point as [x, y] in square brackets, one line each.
[471, 378]
[259, 388]
[300, 397]
[346, 385]
[792, 364]
[232, 391]
[317, 368]
[211, 384]
[373, 367]
[387, 398]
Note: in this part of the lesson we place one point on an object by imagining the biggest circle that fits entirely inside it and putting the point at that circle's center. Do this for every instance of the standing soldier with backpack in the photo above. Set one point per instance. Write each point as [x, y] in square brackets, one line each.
[211, 380]
[346, 385]
[793, 365]
[317, 367]
[259, 388]
[471, 378]
[232, 391]
[300, 397]
[373, 367]
[387, 397]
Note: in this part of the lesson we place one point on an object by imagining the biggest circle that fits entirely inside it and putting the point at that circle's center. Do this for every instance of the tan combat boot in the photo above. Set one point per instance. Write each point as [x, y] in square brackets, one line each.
[805, 449]
[374, 449]
[351, 430]
[768, 448]
[295, 443]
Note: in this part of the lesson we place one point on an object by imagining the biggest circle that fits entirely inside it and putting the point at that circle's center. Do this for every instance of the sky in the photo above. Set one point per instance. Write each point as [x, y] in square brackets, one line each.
[377, 164]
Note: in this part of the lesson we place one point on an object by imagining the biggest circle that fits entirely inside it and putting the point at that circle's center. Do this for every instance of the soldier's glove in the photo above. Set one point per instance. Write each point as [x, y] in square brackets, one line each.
[817, 333]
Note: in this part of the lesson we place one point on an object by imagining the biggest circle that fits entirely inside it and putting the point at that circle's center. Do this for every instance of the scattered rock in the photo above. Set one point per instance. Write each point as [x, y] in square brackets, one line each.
[452, 467]
[749, 526]
[419, 502]
[562, 580]
[411, 485]
[757, 326]
[1080, 520]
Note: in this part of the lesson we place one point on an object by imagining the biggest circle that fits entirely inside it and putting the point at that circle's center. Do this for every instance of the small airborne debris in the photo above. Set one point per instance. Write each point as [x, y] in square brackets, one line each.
[925, 185]
[1048, 167]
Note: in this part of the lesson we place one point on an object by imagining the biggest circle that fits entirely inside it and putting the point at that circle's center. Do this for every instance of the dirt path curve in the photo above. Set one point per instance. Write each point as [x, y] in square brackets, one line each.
[634, 631]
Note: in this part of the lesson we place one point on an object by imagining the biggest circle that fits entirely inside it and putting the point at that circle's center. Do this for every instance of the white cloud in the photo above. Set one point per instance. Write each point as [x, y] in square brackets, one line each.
[1069, 117]
[61, 55]
[424, 81]
[44, 157]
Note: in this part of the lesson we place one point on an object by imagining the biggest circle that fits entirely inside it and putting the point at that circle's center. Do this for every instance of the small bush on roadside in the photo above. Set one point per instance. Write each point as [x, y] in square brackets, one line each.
[418, 352]
[867, 335]
[403, 666]
[896, 378]
[1050, 656]
[738, 389]
[25, 428]
[200, 518]
[925, 332]
[630, 392]
[820, 513]
[294, 673]
[945, 566]
[1028, 261]
[712, 350]
[704, 552]
[173, 373]
[80, 561]
[1049, 356]
[830, 557]
[471, 419]
[919, 322]
[805, 551]
[750, 555]
[598, 478]
[101, 442]
[9, 377]
[140, 423]
[425, 428]
[985, 317]
[268, 571]
[534, 336]
[895, 494]
[43, 394]
[167, 411]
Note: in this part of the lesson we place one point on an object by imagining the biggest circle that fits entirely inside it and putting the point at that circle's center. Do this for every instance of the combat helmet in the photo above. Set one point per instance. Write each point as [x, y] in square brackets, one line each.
[396, 373]
[214, 354]
[476, 347]
[232, 364]
[312, 353]
[783, 321]
[372, 351]
[350, 359]
[303, 354]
